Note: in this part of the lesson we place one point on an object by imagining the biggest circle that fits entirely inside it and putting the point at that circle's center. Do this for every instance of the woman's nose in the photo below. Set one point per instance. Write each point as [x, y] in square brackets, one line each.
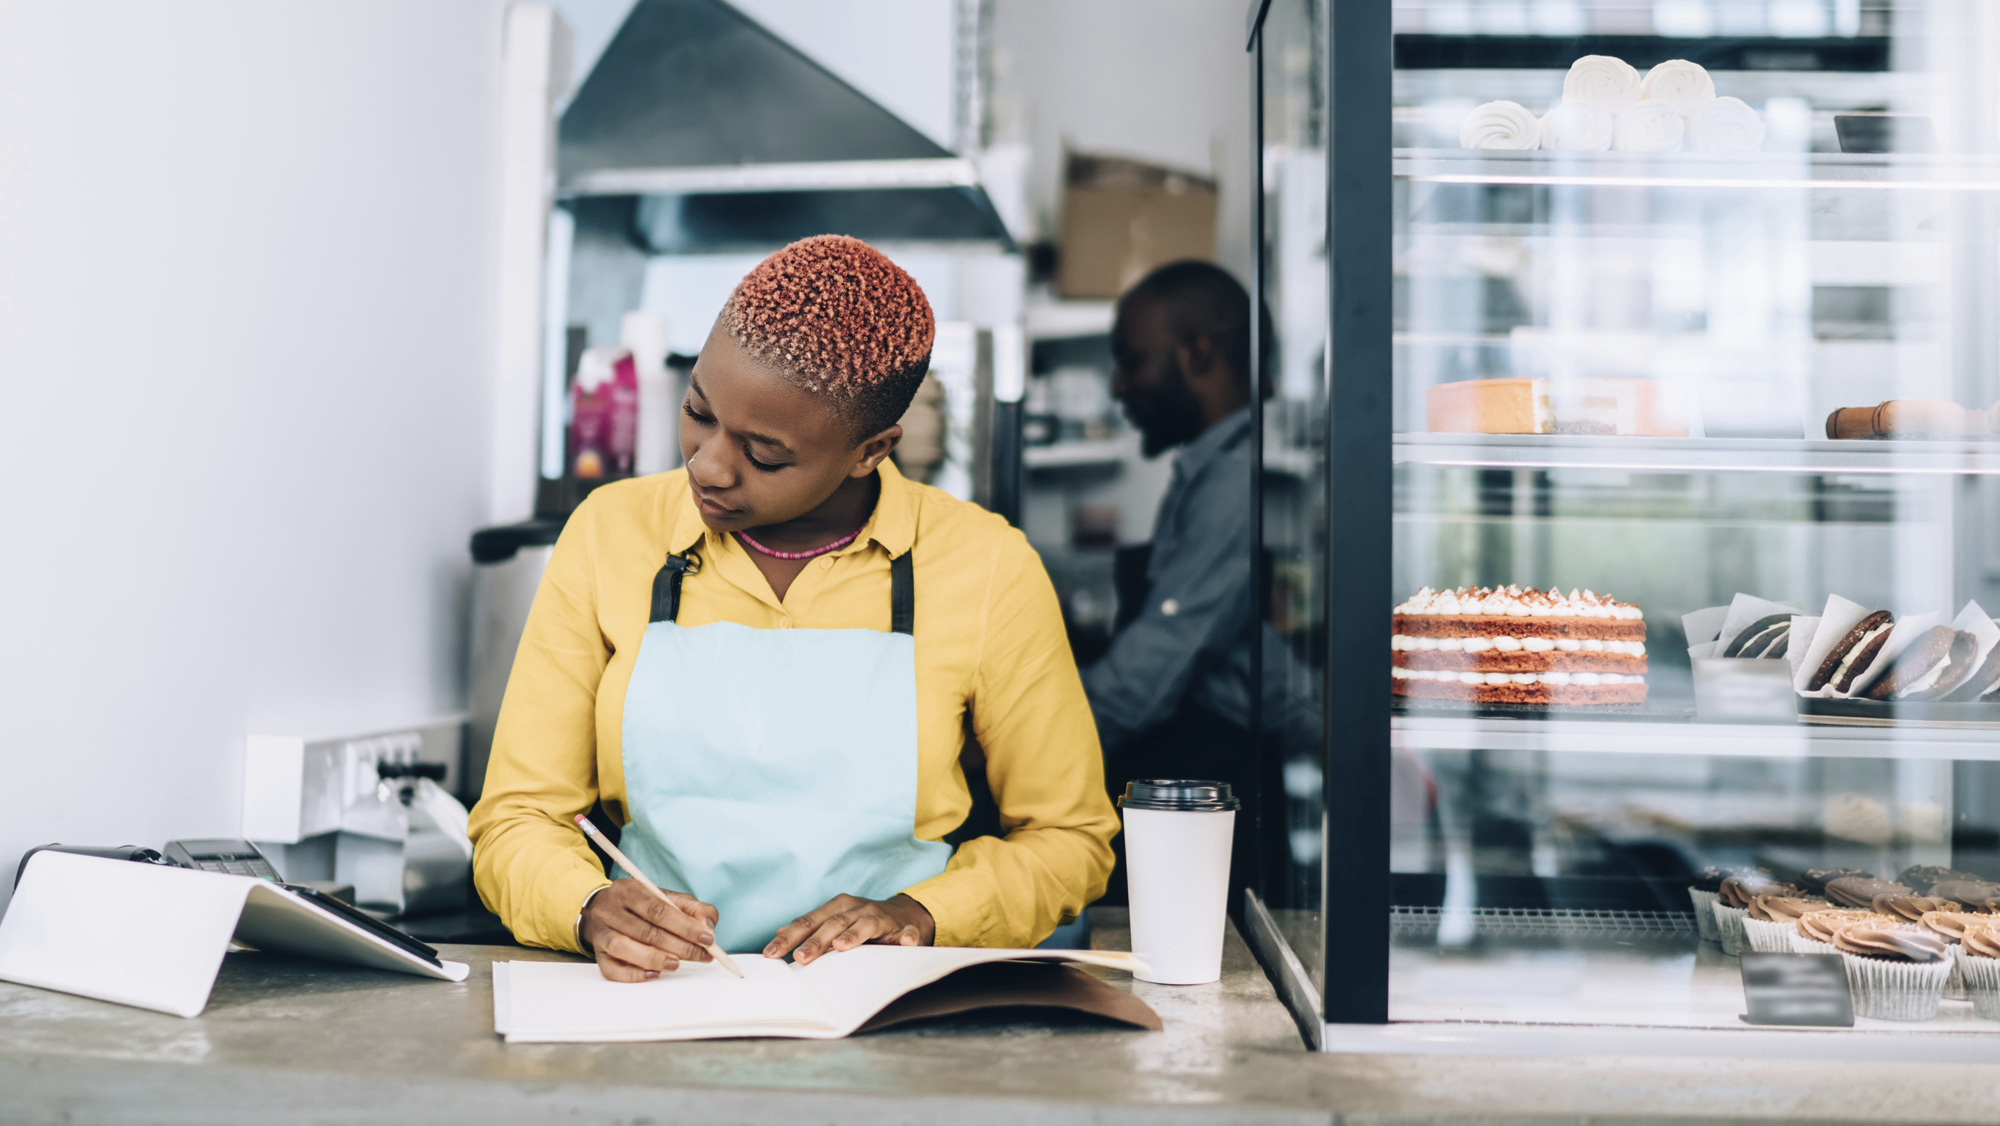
[708, 469]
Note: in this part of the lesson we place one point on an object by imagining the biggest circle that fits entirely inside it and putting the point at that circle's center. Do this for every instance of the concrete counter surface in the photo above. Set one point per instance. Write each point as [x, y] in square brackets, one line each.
[296, 1042]
[287, 1041]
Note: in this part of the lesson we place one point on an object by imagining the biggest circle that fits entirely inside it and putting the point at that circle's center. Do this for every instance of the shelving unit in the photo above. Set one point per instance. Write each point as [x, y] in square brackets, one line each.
[1643, 735]
[1756, 293]
[1716, 455]
[1081, 454]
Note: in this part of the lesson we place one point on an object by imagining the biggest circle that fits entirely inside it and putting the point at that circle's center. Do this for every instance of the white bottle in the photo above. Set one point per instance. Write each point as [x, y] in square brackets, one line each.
[645, 336]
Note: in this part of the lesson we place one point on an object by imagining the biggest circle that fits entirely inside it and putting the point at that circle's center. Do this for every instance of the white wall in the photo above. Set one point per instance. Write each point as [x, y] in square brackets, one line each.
[1166, 80]
[246, 291]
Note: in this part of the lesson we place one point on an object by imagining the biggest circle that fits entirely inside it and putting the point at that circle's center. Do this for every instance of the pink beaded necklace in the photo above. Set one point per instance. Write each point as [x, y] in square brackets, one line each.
[821, 550]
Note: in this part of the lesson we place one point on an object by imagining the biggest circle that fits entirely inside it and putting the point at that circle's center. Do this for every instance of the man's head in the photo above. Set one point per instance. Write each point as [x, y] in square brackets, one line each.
[1181, 343]
[815, 356]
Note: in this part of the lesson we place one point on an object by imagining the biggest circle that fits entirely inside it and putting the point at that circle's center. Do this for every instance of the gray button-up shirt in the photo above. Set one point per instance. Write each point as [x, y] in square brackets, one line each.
[1190, 641]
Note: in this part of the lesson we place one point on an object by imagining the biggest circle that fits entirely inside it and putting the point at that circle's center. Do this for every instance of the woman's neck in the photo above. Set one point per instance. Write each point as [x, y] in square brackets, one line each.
[843, 512]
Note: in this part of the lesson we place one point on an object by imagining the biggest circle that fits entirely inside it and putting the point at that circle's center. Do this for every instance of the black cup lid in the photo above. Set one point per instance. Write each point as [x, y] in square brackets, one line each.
[1188, 794]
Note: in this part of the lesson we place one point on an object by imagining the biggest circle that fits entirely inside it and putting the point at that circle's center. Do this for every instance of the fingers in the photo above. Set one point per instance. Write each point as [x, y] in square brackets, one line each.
[689, 905]
[847, 930]
[623, 958]
[663, 925]
[805, 926]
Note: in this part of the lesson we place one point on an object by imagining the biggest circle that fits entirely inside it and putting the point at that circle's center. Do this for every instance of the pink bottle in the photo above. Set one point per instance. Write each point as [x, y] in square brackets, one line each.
[604, 414]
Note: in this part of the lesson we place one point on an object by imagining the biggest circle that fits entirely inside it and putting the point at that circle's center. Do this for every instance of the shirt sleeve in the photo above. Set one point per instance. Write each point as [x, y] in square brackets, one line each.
[530, 863]
[1046, 773]
[1199, 602]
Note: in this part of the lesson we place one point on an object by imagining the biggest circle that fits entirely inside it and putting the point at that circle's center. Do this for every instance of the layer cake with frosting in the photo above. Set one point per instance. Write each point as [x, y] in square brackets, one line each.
[1514, 646]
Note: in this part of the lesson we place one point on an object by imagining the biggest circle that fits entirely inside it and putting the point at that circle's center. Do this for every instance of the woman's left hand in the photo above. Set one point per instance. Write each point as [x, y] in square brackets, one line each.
[848, 921]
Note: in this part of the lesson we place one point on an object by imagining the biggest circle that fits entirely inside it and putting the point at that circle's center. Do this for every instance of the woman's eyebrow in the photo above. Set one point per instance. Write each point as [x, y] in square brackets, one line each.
[760, 439]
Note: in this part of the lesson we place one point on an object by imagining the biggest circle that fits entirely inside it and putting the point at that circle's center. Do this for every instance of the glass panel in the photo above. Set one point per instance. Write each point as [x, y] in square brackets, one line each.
[1294, 459]
[1640, 345]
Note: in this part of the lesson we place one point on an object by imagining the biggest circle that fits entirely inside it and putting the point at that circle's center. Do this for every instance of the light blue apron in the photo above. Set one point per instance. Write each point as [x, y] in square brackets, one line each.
[767, 771]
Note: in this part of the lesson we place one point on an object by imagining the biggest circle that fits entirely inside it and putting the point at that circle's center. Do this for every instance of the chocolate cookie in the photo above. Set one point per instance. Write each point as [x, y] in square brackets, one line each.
[1934, 664]
[1766, 637]
[1983, 684]
[1851, 655]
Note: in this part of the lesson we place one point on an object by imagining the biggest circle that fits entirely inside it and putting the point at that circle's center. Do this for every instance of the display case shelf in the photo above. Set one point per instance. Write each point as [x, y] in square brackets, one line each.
[1705, 455]
[1667, 736]
[1081, 453]
[1723, 171]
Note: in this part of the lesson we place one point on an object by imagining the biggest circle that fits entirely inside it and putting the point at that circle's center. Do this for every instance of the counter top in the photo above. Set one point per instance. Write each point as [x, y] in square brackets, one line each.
[287, 1041]
[292, 1041]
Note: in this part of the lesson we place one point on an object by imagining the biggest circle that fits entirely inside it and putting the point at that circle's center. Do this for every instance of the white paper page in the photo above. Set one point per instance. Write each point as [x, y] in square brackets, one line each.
[572, 1002]
[856, 984]
[1906, 630]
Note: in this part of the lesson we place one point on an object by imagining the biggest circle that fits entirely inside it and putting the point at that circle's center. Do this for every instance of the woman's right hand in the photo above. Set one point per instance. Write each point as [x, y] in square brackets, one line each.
[637, 938]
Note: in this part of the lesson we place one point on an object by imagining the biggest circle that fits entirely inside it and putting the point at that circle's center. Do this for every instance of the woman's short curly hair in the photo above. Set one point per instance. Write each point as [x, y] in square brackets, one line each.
[837, 318]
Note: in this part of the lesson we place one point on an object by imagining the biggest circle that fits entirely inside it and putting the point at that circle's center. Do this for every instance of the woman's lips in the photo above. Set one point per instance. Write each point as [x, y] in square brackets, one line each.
[711, 508]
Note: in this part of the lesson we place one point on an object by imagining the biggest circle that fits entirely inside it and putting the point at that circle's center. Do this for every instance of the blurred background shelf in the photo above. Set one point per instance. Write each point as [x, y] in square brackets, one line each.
[1734, 172]
[1718, 455]
[1669, 736]
[1081, 454]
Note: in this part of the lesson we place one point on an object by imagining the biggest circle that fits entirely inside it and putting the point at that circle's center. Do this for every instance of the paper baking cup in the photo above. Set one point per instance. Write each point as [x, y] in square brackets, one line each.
[1729, 929]
[1954, 986]
[1803, 945]
[1704, 913]
[1982, 982]
[1769, 938]
[1888, 989]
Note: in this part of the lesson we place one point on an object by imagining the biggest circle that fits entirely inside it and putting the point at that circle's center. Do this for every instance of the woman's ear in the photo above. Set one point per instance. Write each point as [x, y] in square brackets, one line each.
[872, 451]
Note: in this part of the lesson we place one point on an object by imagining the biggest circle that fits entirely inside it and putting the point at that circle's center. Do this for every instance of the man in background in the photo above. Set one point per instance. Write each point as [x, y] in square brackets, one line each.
[1172, 695]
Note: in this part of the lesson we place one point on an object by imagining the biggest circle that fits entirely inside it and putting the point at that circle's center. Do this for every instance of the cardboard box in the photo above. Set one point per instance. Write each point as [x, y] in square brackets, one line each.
[1121, 218]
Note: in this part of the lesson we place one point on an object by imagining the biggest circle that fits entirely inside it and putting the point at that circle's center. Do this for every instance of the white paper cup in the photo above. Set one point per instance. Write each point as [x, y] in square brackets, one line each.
[1177, 839]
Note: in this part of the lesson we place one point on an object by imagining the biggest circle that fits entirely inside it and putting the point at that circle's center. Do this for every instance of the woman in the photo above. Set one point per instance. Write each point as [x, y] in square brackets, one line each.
[763, 667]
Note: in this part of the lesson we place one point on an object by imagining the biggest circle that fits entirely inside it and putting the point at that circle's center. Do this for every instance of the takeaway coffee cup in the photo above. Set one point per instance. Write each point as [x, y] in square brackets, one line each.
[1177, 838]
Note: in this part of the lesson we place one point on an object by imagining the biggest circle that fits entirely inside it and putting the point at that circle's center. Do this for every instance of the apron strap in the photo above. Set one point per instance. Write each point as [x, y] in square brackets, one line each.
[667, 585]
[902, 595]
[902, 590]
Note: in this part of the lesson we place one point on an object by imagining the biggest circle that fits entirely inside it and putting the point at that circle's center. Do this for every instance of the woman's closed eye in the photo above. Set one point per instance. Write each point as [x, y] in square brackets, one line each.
[687, 409]
[766, 466]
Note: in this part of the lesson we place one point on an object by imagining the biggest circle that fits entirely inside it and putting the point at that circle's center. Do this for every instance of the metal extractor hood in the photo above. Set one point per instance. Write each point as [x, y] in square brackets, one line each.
[712, 133]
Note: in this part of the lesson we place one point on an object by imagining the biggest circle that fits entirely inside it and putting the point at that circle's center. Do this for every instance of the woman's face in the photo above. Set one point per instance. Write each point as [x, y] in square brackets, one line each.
[759, 450]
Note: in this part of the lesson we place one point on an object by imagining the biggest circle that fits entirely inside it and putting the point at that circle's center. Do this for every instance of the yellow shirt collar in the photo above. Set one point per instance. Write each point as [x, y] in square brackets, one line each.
[893, 523]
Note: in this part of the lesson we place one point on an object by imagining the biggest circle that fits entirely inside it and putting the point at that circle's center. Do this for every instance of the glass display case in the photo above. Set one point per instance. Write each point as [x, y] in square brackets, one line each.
[1651, 422]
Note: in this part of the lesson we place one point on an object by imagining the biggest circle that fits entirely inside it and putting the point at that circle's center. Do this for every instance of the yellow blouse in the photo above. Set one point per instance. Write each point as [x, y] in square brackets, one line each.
[990, 646]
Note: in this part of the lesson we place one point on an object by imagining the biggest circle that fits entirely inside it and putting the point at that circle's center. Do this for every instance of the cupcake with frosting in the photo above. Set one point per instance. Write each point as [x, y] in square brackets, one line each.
[1814, 931]
[1732, 906]
[1978, 954]
[1703, 892]
[1951, 926]
[1772, 920]
[1909, 908]
[1896, 971]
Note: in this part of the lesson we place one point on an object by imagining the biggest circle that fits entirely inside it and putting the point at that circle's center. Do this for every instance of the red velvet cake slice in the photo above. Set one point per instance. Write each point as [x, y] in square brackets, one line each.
[1510, 646]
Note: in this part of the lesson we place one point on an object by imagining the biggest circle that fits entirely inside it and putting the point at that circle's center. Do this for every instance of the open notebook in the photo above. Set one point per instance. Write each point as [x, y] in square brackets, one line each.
[832, 997]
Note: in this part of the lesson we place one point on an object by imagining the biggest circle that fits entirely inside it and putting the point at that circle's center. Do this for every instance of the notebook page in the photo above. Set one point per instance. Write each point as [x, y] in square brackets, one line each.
[856, 984]
[571, 1001]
